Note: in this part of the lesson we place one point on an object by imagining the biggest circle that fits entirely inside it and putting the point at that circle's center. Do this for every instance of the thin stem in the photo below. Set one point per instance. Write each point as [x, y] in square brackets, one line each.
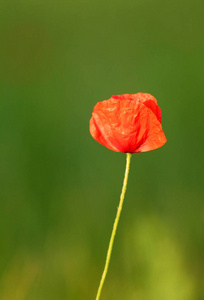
[110, 247]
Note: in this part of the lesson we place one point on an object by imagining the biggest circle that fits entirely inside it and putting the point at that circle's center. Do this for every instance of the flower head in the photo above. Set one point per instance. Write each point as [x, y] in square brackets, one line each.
[128, 123]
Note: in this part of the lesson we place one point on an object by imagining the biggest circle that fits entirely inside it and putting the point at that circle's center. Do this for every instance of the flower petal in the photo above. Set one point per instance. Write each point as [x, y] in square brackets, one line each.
[126, 126]
[148, 100]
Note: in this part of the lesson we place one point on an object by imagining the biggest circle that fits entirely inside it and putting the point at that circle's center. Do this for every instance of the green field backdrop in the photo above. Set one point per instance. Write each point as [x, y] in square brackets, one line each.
[59, 188]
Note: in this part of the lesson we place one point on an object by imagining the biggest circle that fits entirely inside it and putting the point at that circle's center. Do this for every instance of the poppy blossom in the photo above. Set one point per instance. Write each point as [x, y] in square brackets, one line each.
[128, 123]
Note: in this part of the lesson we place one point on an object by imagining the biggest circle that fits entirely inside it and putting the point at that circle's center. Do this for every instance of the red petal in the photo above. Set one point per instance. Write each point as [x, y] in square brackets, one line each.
[126, 126]
[145, 98]
[149, 101]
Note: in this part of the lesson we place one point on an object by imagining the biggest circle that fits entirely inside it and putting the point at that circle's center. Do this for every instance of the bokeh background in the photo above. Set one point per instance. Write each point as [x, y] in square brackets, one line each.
[59, 189]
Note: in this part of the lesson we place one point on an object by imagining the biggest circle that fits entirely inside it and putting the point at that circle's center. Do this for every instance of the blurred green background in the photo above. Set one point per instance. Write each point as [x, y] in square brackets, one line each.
[60, 188]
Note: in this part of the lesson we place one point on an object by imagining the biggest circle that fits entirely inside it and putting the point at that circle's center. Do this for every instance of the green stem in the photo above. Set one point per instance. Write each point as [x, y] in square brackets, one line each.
[115, 225]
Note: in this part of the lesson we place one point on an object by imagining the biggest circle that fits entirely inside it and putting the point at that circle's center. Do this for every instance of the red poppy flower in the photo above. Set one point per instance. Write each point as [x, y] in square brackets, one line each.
[128, 123]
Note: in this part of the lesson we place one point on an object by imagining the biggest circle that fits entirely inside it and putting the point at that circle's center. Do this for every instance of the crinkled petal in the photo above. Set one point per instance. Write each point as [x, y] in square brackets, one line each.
[126, 126]
[145, 98]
